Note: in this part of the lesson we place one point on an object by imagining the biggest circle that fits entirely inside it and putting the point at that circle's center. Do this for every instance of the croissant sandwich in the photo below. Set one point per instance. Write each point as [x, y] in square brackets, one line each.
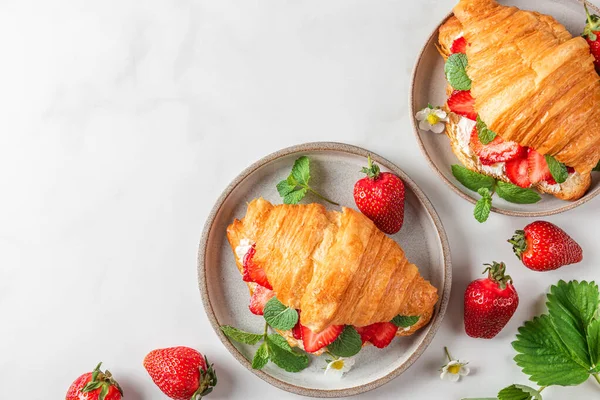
[527, 110]
[335, 268]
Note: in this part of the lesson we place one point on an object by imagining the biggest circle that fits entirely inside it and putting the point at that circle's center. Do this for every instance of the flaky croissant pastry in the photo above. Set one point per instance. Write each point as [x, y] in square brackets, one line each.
[337, 268]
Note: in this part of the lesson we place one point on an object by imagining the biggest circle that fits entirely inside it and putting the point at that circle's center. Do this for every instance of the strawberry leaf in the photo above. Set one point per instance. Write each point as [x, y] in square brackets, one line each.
[261, 358]
[519, 392]
[593, 336]
[279, 316]
[241, 336]
[472, 180]
[486, 135]
[456, 71]
[347, 344]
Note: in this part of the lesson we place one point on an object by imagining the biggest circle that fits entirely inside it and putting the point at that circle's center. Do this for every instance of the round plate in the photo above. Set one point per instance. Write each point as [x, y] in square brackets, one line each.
[335, 167]
[429, 86]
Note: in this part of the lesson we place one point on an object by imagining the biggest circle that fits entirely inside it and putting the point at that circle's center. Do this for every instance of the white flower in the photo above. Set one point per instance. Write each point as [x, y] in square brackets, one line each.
[432, 119]
[454, 369]
[337, 368]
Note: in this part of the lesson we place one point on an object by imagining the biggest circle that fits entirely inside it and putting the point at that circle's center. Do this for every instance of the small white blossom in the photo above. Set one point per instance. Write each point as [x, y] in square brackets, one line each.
[454, 369]
[432, 119]
[337, 368]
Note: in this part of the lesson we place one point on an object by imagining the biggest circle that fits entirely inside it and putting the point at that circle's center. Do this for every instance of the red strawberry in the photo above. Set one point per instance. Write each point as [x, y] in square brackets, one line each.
[259, 298]
[95, 385]
[459, 45]
[537, 166]
[490, 303]
[496, 151]
[462, 103]
[316, 341]
[180, 372]
[364, 332]
[380, 196]
[590, 33]
[380, 334]
[543, 246]
[516, 171]
[252, 272]
[297, 329]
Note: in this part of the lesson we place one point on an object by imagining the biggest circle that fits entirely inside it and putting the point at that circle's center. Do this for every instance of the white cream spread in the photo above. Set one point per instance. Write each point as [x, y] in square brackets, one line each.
[464, 128]
[495, 169]
[242, 249]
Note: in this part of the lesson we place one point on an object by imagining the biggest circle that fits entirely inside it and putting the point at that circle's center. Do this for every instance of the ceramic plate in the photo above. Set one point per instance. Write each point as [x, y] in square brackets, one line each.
[429, 86]
[335, 168]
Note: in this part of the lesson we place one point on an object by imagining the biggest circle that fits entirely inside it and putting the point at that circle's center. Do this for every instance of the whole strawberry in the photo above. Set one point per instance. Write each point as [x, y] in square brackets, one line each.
[380, 196]
[181, 373]
[543, 246]
[590, 33]
[95, 385]
[490, 303]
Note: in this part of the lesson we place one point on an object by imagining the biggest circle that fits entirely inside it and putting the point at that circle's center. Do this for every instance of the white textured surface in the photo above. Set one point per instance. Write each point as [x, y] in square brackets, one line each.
[122, 121]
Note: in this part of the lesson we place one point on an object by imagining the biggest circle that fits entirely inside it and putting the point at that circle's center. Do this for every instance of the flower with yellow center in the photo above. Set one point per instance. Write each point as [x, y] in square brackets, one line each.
[432, 119]
[338, 367]
[454, 369]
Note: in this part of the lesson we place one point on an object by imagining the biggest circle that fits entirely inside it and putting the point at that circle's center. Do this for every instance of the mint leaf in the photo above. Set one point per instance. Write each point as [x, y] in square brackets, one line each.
[261, 358]
[472, 180]
[486, 135]
[516, 194]
[280, 341]
[279, 316]
[557, 169]
[519, 392]
[240, 336]
[295, 196]
[597, 167]
[483, 205]
[284, 357]
[347, 344]
[593, 339]
[456, 71]
[544, 357]
[572, 307]
[301, 170]
[285, 187]
[402, 321]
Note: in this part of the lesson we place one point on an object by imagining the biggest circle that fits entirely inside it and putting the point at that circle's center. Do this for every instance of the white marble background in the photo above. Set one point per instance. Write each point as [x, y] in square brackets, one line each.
[122, 121]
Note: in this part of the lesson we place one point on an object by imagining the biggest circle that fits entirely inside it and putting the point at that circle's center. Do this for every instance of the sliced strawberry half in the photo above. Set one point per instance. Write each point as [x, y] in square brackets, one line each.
[297, 329]
[537, 167]
[252, 272]
[364, 332]
[316, 341]
[517, 172]
[459, 45]
[380, 334]
[259, 298]
[462, 103]
[497, 150]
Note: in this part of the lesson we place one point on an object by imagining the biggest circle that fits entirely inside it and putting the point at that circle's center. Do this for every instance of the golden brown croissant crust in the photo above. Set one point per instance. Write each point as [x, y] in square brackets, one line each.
[533, 83]
[337, 268]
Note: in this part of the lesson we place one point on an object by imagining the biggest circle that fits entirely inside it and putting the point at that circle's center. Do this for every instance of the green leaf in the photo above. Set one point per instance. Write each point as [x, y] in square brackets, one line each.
[593, 338]
[544, 357]
[516, 194]
[519, 392]
[261, 358]
[301, 170]
[285, 357]
[241, 336]
[456, 71]
[285, 187]
[481, 398]
[280, 341]
[597, 167]
[557, 169]
[347, 344]
[402, 321]
[103, 392]
[472, 180]
[486, 135]
[295, 196]
[572, 307]
[483, 205]
[279, 316]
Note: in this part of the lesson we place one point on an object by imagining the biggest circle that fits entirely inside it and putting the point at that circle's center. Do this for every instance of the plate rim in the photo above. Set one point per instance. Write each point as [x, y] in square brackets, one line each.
[412, 109]
[433, 326]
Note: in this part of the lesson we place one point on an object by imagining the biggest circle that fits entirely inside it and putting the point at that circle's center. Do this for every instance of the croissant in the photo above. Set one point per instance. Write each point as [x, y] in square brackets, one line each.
[533, 83]
[336, 267]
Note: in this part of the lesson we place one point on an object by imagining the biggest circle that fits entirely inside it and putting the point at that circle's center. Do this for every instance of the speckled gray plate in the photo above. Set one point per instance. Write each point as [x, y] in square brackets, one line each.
[335, 167]
[429, 86]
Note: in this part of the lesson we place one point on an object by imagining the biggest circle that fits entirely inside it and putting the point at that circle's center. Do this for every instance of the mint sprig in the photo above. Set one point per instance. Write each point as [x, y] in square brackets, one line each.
[347, 344]
[486, 186]
[558, 170]
[402, 321]
[456, 71]
[486, 135]
[279, 316]
[295, 187]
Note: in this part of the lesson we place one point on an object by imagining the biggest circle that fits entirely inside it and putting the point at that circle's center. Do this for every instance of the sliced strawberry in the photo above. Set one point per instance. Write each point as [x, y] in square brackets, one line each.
[459, 45]
[297, 329]
[364, 332]
[462, 103]
[380, 334]
[316, 341]
[252, 272]
[537, 167]
[570, 170]
[259, 298]
[497, 150]
[516, 170]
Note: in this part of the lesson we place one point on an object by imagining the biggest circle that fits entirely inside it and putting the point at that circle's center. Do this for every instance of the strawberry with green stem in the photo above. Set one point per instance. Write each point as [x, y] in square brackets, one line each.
[95, 385]
[590, 34]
